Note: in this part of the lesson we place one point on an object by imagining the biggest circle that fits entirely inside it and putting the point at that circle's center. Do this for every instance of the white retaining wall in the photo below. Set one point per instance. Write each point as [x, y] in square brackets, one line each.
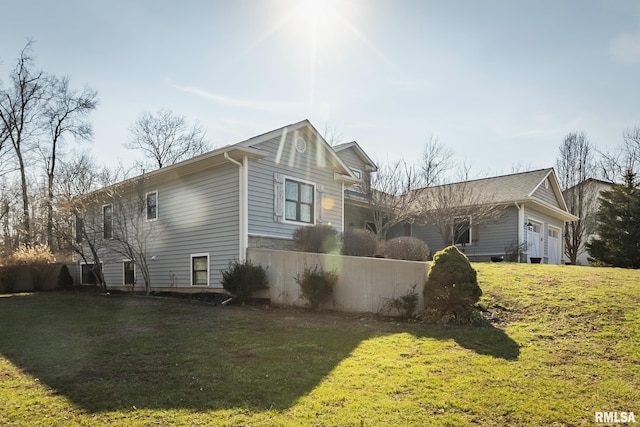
[364, 284]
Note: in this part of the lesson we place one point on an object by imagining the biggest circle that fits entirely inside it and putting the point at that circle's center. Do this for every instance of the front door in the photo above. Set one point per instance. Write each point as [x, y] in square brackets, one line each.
[533, 240]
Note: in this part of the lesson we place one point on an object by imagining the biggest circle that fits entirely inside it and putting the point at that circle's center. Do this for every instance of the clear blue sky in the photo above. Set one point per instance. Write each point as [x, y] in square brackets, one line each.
[499, 82]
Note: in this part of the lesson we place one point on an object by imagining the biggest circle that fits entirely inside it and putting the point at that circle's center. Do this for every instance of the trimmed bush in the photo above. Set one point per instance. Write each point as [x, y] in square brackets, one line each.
[316, 285]
[38, 259]
[405, 248]
[319, 238]
[242, 279]
[65, 281]
[452, 290]
[359, 242]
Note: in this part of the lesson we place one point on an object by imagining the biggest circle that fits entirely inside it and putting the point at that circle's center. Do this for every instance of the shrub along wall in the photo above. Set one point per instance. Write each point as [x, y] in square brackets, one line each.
[364, 285]
[20, 278]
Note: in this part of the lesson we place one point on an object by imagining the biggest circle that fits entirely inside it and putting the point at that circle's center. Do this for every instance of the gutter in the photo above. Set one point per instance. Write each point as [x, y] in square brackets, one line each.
[243, 239]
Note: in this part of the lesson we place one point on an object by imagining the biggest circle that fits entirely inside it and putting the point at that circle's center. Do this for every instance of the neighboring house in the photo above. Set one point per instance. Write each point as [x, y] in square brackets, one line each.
[204, 212]
[525, 219]
[591, 189]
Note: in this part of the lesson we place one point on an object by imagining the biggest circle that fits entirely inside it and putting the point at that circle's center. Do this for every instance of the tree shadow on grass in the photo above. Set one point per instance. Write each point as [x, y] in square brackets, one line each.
[117, 353]
[486, 340]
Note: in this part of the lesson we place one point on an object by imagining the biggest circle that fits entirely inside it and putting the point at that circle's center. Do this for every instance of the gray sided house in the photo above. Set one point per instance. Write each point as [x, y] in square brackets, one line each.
[518, 217]
[192, 218]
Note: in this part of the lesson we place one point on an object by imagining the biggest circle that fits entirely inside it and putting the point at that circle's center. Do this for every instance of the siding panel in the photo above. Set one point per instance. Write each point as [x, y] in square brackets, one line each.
[547, 194]
[197, 213]
[490, 239]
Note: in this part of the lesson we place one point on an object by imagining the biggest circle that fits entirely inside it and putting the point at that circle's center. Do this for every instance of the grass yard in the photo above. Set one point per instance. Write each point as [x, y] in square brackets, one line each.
[567, 345]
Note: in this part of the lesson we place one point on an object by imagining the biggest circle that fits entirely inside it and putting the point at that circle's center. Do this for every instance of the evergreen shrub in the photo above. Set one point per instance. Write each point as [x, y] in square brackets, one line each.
[452, 289]
[243, 279]
[316, 285]
[65, 281]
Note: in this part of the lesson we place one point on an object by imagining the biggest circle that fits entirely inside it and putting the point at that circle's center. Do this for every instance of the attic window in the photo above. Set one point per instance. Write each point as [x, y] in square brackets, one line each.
[301, 145]
[357, 173]
[546, 184]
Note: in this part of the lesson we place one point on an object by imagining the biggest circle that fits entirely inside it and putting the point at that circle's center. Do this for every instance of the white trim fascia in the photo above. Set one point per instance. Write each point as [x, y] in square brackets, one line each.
[349, 179]
[560, 214]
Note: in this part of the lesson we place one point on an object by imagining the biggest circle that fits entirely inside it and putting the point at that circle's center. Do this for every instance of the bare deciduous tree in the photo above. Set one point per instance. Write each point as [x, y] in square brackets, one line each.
[391, 193]
[132, 229]
[574, 166]
[65, 113]
[457, 210]
[166, 138]
[331, 134]
[78, 223]
[616, 164]
[437, 160]
[20, 119]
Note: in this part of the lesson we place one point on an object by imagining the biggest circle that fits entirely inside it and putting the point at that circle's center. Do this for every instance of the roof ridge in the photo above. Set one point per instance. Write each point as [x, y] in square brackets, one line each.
[492, 177]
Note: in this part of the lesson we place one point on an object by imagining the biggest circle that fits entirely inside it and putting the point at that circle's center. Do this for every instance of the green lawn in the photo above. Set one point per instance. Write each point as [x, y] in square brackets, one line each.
[567, 345]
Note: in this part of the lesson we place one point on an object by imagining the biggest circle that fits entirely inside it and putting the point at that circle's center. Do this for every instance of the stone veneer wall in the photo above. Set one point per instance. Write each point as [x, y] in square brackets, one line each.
[276, 243]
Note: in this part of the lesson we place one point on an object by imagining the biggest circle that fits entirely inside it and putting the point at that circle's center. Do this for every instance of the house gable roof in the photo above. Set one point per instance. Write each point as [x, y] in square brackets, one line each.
[359, 151]
[237, 151]
[343, 171]
[512, 188]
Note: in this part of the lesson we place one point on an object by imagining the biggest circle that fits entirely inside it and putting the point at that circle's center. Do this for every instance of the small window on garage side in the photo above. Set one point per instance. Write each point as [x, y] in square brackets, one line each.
[152, 205]
[200, 270]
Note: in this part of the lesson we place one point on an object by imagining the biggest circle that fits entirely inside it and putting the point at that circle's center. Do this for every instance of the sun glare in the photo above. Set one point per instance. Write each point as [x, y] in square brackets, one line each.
[317, 12]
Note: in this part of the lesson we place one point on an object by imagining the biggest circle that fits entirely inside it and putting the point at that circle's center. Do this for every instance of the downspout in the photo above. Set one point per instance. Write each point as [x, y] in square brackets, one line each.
[243, 204]
[520, 227]
[342, 203]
